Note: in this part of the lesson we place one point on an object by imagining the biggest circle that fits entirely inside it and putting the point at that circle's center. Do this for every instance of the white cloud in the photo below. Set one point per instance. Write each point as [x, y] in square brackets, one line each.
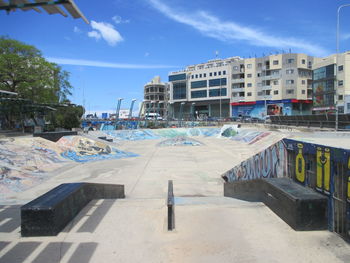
[229, 31]
[77, 30]
[345, 36]
[94, 34]
[105, 31]
[118, 20]
[92, 63]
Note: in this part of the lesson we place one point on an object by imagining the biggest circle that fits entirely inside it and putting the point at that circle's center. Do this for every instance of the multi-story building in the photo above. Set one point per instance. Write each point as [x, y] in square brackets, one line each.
[155, 97]
[331, 84]
[278, 84]
[202, 90]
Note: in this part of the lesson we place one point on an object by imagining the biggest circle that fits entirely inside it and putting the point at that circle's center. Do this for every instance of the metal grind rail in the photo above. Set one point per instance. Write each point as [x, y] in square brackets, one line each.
[171, 206]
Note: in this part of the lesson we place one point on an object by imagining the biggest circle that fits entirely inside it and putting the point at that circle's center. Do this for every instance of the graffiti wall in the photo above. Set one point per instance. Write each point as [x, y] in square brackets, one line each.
[81, 149]
[269, 163]
[326, 170]
[180, 141]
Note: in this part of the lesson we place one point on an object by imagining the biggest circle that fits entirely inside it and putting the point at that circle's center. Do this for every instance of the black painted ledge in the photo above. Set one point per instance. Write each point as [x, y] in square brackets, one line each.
[48, 214]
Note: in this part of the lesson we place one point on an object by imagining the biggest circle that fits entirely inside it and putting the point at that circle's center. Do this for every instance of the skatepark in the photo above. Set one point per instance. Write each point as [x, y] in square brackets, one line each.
[208, 226]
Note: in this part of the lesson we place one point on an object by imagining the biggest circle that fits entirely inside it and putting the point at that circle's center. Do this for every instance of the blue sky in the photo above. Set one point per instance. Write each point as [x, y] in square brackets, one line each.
[127, 43]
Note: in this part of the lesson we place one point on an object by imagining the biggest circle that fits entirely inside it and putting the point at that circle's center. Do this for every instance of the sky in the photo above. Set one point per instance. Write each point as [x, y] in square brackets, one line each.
[128, 42]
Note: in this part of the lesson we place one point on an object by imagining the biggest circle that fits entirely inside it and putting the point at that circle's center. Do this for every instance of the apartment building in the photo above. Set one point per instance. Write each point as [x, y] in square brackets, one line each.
[202, 91]
[278, 84]
[156, 97]
[331, 84]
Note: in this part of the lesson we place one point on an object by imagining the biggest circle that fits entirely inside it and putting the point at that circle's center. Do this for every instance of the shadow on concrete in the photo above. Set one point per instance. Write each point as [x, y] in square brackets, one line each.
[10, 218]
[93, 213]
[96, 217]
[52, 253]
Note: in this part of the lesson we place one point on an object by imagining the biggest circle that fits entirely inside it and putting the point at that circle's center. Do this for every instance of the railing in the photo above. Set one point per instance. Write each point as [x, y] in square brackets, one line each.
[319, 121]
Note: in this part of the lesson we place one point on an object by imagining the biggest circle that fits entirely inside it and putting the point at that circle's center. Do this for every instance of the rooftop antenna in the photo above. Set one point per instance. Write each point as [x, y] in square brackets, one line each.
[216, 54]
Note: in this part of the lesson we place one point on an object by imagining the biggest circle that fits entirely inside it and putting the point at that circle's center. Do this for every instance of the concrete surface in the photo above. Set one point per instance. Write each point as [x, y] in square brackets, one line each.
[209, 227]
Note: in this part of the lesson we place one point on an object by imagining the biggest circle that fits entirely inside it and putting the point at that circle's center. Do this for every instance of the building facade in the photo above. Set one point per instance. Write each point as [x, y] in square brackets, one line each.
[278, 84]
[331, 84]
[201, 91]
[156, 97]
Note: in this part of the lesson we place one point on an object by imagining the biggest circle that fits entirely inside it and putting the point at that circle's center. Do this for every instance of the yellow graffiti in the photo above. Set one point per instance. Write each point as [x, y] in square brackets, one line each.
[319, 170]
[349, 189]
[323, 171]
[300, 164]
[327, 169]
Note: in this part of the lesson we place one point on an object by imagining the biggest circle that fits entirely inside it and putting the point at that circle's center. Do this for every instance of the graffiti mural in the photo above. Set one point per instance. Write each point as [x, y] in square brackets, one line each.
[180, 141]
[323, 170]
[269, 163]
[249, 136]
[81, 149]
[300, 164]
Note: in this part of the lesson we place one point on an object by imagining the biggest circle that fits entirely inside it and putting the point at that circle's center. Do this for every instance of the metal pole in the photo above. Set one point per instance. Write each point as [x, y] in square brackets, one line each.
[336, 68]
[131, 107]
[220, 98]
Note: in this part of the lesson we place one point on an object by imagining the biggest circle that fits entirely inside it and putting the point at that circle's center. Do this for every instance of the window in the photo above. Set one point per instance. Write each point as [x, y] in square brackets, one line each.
[217, 82]
[290, 60]
[216, 92]
[259, 84]
[192, 77]
[290, 91]
[177, 77]
[275, 82]
[267, 92]
[205, 75]
[214, 73]
[303, 91]
[275, 62]
[289, 71]
[259, 65]
[290, 81]
[249, 85]
[260, 93]
[340, 68]
[179, 90]
[275, 92]
[200, 75]
[210, 74]
[198, 84]
[258, 75]
[303, 81]
[235, 68]
[340, 83]
[198, 94]
[224, 72]
[303, 61]
[196, 76]
[249, 65]
[219, 73]
[340, 97]
[348, 106]
[249, 75]
[249, 94]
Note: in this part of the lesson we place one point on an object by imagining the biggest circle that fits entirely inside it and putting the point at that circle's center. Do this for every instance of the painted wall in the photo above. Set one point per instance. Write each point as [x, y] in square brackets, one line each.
[269, 163]
[327, 171]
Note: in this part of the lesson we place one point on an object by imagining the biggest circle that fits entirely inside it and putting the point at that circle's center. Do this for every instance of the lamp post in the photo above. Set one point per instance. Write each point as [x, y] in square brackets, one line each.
[181, 109]
[220, 98]
[192, 112]
[336, 68]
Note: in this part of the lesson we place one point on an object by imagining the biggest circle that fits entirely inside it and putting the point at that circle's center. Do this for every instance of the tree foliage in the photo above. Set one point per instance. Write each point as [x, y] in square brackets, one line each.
[25, 71]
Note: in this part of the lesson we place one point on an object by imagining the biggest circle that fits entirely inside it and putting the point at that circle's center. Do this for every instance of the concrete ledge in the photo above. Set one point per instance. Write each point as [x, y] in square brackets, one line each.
[48, 214]
[300, 207]
[54, 136]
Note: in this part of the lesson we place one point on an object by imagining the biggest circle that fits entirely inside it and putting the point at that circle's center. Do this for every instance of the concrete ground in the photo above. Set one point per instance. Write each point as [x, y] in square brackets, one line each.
[209, 227]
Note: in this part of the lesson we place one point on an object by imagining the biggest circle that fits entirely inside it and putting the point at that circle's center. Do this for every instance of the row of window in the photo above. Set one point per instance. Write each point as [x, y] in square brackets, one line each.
[262, 93]
[212, 93]
[274, 62]
[211, 74]
[212, 83]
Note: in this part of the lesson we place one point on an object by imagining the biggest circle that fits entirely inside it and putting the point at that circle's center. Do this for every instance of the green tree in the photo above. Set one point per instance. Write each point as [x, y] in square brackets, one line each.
[25, 71]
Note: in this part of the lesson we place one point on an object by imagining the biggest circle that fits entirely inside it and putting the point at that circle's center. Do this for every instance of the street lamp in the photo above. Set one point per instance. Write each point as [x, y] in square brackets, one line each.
[181, 109]
[336, 68]
[220, 97]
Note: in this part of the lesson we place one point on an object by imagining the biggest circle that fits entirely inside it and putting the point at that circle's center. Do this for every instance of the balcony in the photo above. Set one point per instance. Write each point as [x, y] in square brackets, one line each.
[241, 89]
[272, 76]
[238, 99]
[237, 80]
